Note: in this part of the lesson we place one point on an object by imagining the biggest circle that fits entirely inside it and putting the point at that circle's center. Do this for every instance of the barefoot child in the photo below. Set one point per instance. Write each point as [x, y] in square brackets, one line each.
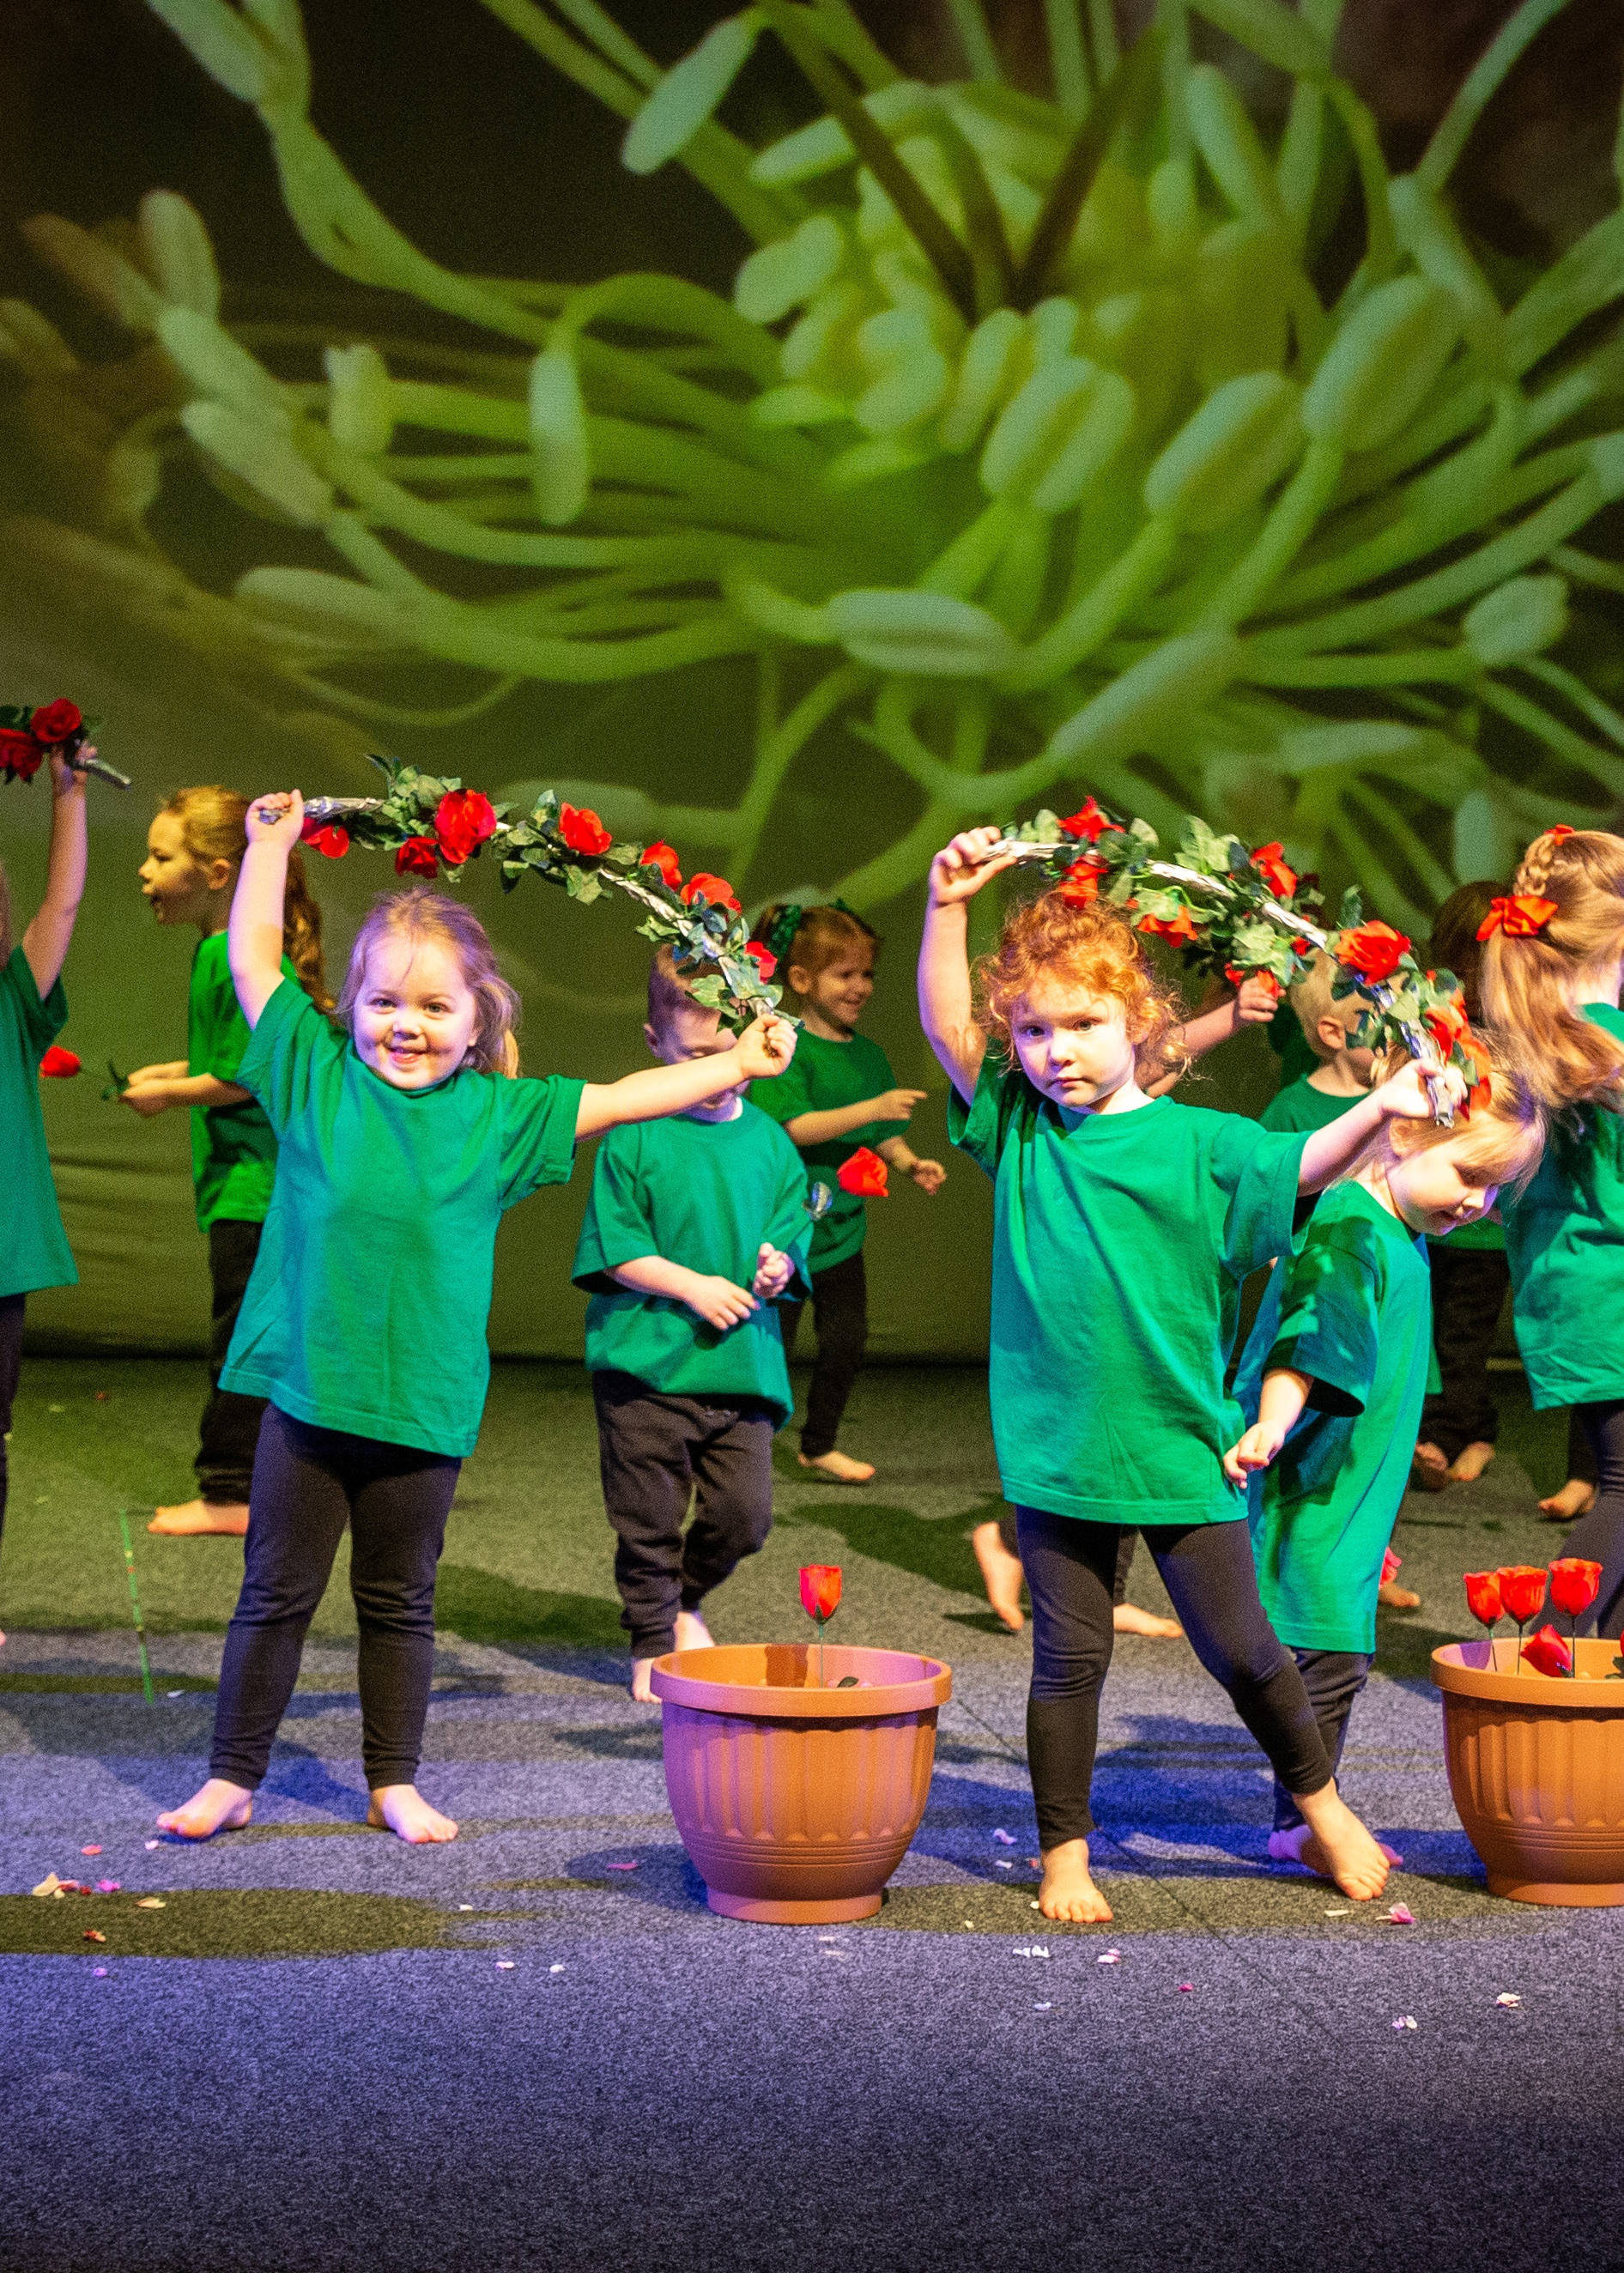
[697, 1225]
[194, 849]
[840, 1095]
[1123, 1225]
[1332, 1382]
[34, 1010]
[404, 1134]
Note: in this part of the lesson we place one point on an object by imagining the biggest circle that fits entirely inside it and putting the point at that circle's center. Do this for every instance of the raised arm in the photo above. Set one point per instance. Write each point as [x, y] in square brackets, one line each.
[827, 1128]
[947, 1010]
[761, 1051]
[254, 943]
[1252, 1004]
[45, 943]
[1331, 1151]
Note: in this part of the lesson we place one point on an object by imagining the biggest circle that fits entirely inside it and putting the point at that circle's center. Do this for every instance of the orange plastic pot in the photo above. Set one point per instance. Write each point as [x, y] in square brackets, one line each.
[1537, 1770]
[796, 1803]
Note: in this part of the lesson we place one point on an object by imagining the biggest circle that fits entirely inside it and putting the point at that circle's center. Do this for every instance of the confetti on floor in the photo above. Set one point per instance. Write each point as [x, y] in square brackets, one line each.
[1338, 1913]
[90, 1850]
[92, 1933]
[623, 1867]
[1110, 1957]
[1399, 1916]
[555, 1968]
[99, 1972]
[1509, 2000]
[109, 1887]
[1002, 1865]
[1406, 2021]
[1043, 2008]
[1186, 1988]
[1005, 1838]
[149, 1844]
[505, 1965]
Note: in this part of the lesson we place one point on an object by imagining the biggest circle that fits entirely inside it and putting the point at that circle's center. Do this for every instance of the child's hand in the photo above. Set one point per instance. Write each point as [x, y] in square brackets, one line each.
[961, 869]
[897, 1104]
[277, 818]
[1256, 1001]
[765, 1048]
[66, 778]
[1405, 1098]
[149, 1102]
[720, 1303]
[930, 1175]
[1257, 1449]
[773, 1272]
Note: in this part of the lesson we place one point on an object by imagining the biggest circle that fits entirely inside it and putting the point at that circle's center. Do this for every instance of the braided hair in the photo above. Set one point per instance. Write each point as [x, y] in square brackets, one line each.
[1527, 978]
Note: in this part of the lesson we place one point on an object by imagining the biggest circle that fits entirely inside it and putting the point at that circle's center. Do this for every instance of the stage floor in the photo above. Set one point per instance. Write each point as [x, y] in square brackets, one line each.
[328, 2050]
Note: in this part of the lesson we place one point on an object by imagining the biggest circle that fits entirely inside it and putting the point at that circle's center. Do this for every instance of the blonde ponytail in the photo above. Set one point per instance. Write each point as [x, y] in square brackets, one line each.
[1527, 979]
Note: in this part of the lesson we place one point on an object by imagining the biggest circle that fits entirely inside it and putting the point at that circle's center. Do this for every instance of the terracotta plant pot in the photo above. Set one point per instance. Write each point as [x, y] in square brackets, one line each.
[1537, 1770]
[796, 1803]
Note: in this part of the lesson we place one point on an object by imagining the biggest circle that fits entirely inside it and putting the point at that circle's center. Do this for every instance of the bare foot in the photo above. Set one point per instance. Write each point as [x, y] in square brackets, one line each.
[1468, 1466]
[402, 1809]
[1127, 1617]
[1068, 1895]
[1000, 1574]
[1576, 1497]
[1429, 1468]
[1392, 1596]
[641, 1668]
[1337, 1845]
[214, 1806]
[840, 1467]
[1299, 1845]
[196, 1518]
[693, 1632]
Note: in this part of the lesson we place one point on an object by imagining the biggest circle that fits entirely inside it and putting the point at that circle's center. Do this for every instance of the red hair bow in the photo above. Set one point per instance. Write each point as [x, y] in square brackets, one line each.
[1519, 917]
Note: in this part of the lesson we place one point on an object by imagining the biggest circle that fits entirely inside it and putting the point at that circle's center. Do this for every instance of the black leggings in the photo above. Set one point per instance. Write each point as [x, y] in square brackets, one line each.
[1469, 1293]
[1208, 1570]
[1332, 1678]
[230, 1429]
[308, 1484]
[839, 1309]
[1010, 1537]
[11, 1307]
[1600, 1535]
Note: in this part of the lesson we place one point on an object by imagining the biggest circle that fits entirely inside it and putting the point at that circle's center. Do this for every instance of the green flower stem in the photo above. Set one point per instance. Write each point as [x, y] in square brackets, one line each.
[1425, 865]
[394, 714]
[1411, 665]
[1068, 60]
[1565, 683]
[1537, 721]
[1450, 138]
[1289, 523]
[780, 741]
[1092, 619]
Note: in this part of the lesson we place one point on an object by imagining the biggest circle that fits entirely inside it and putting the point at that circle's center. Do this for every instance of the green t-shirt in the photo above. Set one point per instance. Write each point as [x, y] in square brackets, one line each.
[1565, 1243]
[1120, 1241]
[1354, 1310]
[367, 1308]
[821, 1078]
[703, 1194]
[1299, 1106]
[33, 1247]
[233, 1151]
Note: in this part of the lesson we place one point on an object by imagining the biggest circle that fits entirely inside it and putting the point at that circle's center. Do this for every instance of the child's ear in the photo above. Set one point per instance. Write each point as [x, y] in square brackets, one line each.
[651, 1035]
[221, 874]
[1332, 1033]
[798, 979]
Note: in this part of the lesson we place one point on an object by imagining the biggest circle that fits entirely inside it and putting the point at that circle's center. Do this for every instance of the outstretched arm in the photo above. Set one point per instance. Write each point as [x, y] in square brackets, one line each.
[763, 1049]
[163, 1089]
[45, 943]
[254, 943]
[1331, 1151]
[829, 1127]
[947, 1010]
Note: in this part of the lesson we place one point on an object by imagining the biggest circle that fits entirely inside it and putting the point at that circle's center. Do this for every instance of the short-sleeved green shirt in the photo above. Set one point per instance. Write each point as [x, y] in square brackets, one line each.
[703, 1194]
[1565, 1243]
[1121, 1242]
[1300, 1105]
[821, 1078]
[1354, 1310]
[232, 1150]
[367, 1309]
[33, 1247]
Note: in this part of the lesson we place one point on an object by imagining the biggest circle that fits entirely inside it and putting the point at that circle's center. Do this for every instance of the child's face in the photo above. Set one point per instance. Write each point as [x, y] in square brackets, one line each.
[841, 990]
[176, 887]
[1074, 1047]
[1356, 1060]
[693, 1031]
[416, 1014]
[1437, 1190]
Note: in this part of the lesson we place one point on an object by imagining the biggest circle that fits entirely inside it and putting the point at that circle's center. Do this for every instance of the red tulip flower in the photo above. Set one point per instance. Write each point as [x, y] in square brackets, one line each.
[1180, 926]
[1089, 823]
[1269, 862]
[582, 831]
[58, 1064]
[419, 855]
[820, 1598]
[325, 838]
[1375, 951]
[1547, 1652]
[1266, 979]
[463, 818]
[864, 1176]
[1575, 1584]
[1523, 1589]
[1483, 1597]
[662, 857]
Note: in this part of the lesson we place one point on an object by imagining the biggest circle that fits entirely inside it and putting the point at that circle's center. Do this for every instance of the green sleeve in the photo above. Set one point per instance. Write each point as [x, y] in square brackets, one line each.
[538, 1134]
[279, 1062]
[616, 1229]
[1329, 1319]
[1256, 1174]
[980, 1128]
[783, 1096]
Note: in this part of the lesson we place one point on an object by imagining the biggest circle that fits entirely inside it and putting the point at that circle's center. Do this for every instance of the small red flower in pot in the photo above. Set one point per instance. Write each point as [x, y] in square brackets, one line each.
[864, 1176]
[1483, 1601]
[1547, 1652]
[1522, 1588]
[820, 1586]
[1574, 1585]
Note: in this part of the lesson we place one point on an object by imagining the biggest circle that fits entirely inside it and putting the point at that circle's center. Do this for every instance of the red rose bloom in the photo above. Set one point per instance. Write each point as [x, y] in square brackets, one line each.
[1271, 866]
[1483, 1597]
[1547, 1652]
[1300, 946]
[1181, 927]
[20, 755]
[325, 838]
[763, 957]
[716, 891]
[1575, 1584]
[58, 1064]
[463, 818]
[1267, 979]
[419, 855]
[864, 1174]
[1523, 1590]
[582, 831]
[1088, 822]
[1081, 884]
[54, 721]
[1375, 951]
[662, 857]
[821, 1584]
[1447, 1025]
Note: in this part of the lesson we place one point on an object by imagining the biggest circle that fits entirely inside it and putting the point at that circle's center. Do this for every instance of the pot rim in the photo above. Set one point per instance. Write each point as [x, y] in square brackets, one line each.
[1500, 1683]
[674, 1684]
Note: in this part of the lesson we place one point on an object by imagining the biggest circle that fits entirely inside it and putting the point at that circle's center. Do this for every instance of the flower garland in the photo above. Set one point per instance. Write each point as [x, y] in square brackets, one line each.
[1249, 914]
[433, 825]
[28, 734]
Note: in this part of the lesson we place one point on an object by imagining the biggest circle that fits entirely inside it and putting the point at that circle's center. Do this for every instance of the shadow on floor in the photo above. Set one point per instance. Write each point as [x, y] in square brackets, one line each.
[481, 1607]
[926, 1547]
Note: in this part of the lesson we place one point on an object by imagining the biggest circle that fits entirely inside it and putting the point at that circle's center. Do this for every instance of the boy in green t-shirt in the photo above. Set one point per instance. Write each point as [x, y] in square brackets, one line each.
[696, 1227]
[1343, 1071]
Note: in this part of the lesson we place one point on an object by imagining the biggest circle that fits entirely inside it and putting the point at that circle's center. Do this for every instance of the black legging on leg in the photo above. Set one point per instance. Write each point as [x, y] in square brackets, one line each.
[1332, 1678]
[840, 1311]
[1209, 1571]
[1010, 1537]
[1599, 1536]
[308, 1484]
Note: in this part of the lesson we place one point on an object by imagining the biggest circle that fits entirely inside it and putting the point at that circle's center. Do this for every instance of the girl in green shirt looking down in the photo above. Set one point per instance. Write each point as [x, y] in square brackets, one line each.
[194, 849]
[1124, 1227]
[404, 1134]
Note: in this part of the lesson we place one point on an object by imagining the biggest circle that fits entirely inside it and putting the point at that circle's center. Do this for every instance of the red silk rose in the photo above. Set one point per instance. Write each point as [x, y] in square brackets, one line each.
[1088, 822]
[419, 855]
[763, 957]
[1483, 1597]
[1266, 979]
[325, 838]
[1523, 1590]
[864, 1174]
[1547, 1652]
[662, 857]
[1575, 1584]
[1391, 1565]
[716, 891]
[1477, 1050]
[1181, 927]
[20, 755]
[582, 831]
[1448, 1025]
[1271, 865]
[58, 1064]
[821, 1584]
[463, 818]
[1375, 951]
[1300, 946]
[55, 722]
[1081, 884]
[1519, 917]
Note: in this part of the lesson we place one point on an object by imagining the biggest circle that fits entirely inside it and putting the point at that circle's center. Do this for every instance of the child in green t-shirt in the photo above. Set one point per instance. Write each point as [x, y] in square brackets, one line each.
[34, 1010]
[194, 849]
[1332, 1382]
[1123, 1225]
[697, 1227]
[405, 1135]
[1342, 1073]
[839, 1096]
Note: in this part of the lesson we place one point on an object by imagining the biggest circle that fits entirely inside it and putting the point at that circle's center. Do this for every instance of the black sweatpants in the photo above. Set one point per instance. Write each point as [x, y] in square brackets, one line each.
[1208, 1570]
[656, 1453]
[1008, 1532]
[308, 1484]
[1599, 1537]
[840, 1312]
[12, 1308]
[230, 1429]
[1469, 1293]
[1332, 1678]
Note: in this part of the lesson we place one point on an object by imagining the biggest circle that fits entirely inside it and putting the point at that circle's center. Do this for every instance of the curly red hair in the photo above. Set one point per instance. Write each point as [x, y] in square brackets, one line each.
[1093, 949]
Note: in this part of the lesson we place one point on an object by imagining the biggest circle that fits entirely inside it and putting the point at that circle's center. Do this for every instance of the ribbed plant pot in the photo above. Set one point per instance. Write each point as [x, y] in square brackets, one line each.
[1537, 1770]
[796, 1803]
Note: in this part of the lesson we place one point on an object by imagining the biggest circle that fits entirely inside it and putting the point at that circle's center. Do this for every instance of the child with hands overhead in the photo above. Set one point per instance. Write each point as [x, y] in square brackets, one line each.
[1332, 1381]
[697, 1227]
[404, 1134]
[1123, 1225]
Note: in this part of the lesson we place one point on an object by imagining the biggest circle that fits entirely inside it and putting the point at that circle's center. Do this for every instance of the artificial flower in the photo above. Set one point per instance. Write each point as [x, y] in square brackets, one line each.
[1266, 979]
[582, 831]
[1374, 949]
[1269, 862]
[1483, 1597]
[1081, 884]
[1477, 1050]
[1301, 946]
[58, 1064]
[1523, 1590]
[419, 855]
[1519, 917]
[1446, 1022]
[56, 722]
[1180, 926]
[20, 755]
[716, 891]
[820, 1586]
[1088, 822]
[1548, 1653]
[1391, 1565]
[463, 818]
[325, 838]
[763, 957]
[1575, 1584]
[863, 1174]
[662, 857]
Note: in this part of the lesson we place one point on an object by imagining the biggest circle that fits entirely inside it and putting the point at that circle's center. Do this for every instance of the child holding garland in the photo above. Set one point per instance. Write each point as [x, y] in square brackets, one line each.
[1332, 1383]
[696, 1228]
[34, 1010]
[405, 1135]
[1124, 1227]
[194, 849]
